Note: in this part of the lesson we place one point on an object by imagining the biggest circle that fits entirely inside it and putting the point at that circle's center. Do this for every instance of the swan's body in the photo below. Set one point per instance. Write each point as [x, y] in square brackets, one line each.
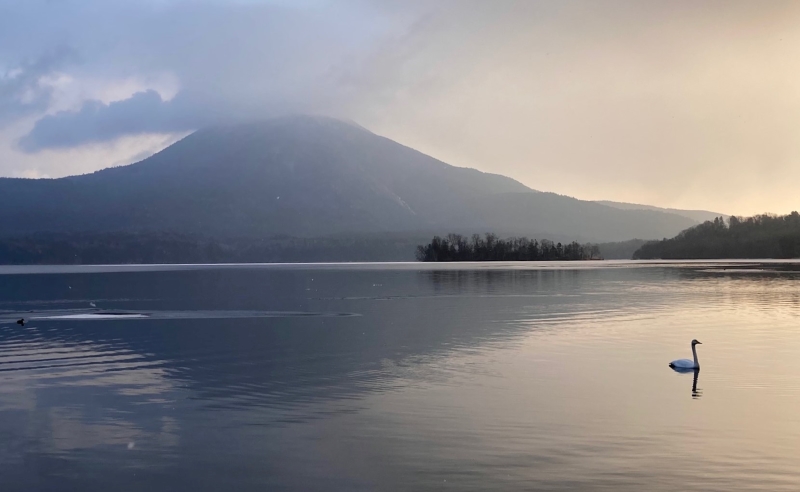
[683, 364]
[687, 363]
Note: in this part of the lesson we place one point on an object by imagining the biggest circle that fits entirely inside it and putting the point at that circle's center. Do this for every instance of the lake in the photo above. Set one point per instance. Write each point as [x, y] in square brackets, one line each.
[459, 377]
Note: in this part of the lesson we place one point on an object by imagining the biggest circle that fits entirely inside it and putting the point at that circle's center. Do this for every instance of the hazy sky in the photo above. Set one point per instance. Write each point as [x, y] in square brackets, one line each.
[689, 104]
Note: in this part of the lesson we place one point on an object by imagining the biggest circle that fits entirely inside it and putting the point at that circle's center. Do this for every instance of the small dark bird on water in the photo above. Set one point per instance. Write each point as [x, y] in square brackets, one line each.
[21, 321]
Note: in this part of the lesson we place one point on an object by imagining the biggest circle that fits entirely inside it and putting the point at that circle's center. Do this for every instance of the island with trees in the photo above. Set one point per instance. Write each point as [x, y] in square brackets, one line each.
[760, 236]
[455, 247]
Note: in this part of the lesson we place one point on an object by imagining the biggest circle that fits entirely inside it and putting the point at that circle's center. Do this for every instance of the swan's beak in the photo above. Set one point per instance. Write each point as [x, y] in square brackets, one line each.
[699, 343]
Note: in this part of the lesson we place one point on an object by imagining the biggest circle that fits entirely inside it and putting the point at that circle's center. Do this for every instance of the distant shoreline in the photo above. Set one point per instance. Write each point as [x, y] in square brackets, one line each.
[721, 265]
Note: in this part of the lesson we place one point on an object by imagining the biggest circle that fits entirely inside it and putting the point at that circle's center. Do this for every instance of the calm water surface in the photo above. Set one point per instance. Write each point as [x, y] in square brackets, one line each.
[400, 377]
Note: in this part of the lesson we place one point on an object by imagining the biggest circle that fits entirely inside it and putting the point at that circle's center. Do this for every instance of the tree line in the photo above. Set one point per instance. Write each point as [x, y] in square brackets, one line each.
[163, 247]
[760, 236]
[489, 247]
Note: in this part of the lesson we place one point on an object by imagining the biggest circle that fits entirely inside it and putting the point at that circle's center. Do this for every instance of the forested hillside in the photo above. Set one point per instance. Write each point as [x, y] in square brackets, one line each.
[761, 236]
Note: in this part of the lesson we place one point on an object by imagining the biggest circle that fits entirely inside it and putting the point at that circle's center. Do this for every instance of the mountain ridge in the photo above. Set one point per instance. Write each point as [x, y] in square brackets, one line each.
[699, 216]
[306, 177]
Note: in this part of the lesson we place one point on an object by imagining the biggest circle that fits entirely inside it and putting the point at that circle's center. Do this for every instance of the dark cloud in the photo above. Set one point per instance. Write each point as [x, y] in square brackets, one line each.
[22, 88]
[234, 60]
[144, 112]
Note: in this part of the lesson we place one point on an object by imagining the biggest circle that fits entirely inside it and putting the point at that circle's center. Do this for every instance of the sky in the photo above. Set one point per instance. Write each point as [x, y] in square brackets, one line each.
[686, 104]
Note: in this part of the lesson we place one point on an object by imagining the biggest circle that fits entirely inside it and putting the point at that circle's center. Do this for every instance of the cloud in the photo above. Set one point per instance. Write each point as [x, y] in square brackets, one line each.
[144, 112]
[639, 100]
[25, 88]
[234, 60]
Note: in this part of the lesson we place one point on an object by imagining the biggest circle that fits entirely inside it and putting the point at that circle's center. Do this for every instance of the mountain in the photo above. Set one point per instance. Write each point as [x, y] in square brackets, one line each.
[698, 216]
[307, 177]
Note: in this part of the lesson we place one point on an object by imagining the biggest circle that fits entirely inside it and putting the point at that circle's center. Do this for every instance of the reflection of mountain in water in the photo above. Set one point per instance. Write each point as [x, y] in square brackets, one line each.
[226, 393]
[277, 362]
[282, 362]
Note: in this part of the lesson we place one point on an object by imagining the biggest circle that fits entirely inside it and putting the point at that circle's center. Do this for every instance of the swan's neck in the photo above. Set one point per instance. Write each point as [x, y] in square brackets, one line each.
[694, 353]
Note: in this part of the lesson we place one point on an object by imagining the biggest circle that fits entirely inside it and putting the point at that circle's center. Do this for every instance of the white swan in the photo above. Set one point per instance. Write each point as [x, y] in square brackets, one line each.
[686, 363]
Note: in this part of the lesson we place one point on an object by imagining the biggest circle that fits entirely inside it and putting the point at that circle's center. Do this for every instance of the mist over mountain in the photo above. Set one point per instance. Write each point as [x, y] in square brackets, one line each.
[307, 176]
[699, 216]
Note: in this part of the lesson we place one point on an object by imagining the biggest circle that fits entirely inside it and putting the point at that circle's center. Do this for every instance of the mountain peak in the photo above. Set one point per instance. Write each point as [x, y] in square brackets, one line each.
[307, 175]
[290, 122]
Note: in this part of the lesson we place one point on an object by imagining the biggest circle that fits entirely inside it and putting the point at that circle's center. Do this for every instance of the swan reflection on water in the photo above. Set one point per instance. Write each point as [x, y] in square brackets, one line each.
[695, 392]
